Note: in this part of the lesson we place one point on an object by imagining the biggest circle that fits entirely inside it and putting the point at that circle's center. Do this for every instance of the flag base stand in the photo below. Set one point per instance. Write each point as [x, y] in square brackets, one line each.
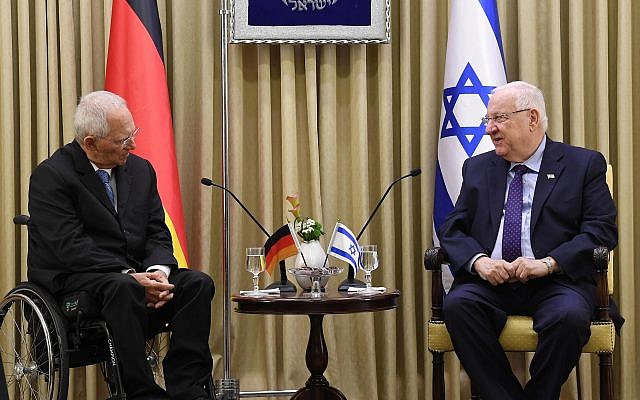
[283, 284]
[350, 282]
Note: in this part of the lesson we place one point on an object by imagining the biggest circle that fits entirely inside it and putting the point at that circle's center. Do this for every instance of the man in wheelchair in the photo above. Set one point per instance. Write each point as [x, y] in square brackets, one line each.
[520, 241]
[97, 225]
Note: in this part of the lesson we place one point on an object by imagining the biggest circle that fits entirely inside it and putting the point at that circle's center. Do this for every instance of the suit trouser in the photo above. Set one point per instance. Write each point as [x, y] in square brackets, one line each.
[475, 313]
[187, 365]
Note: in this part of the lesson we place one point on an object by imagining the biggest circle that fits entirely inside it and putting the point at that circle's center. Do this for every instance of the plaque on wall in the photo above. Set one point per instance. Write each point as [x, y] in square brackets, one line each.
[310, 21]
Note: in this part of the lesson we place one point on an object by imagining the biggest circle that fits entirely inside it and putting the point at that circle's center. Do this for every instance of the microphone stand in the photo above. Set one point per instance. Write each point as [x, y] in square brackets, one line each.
[351, 281]
[283, 284]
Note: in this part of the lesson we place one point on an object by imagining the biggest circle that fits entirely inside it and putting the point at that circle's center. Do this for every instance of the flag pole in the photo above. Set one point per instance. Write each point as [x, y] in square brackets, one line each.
[296, 241]
[333, 235]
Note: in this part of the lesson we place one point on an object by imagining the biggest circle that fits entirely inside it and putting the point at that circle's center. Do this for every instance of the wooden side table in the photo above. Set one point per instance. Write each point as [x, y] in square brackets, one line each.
[317, 356]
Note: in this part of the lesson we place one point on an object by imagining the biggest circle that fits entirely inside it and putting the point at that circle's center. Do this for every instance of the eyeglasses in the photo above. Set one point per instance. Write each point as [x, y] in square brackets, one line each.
[129, 140]
[502, 117]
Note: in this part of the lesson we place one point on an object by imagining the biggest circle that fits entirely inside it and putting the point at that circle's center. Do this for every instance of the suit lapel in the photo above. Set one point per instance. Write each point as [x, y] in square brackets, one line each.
[123, 180]
[550, 171]
[497, 182]
[88, 176]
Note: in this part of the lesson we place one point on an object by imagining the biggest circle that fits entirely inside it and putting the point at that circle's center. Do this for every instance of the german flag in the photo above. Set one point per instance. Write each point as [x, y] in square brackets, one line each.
[136, 72]
[279, 246]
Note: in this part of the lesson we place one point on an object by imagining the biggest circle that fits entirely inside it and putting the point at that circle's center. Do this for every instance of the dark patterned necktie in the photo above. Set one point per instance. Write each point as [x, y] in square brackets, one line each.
[104, 178]
[511, 231]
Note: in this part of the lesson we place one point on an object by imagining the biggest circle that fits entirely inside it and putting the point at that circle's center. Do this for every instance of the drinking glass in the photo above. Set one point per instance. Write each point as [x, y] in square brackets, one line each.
[255, 265]
[369, 263]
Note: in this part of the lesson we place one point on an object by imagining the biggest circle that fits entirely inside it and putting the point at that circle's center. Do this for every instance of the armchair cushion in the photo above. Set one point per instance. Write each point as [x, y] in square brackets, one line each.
[518, 335]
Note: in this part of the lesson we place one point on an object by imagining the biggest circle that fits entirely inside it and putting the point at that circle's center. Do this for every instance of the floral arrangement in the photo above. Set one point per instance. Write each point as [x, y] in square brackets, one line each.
[307, 228]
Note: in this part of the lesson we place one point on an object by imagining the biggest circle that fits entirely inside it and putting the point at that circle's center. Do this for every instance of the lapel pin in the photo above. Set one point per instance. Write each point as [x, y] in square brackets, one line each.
[551, 176]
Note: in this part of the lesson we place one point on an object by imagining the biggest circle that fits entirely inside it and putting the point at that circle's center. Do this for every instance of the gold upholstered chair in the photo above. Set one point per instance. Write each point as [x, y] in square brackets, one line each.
[518, 334]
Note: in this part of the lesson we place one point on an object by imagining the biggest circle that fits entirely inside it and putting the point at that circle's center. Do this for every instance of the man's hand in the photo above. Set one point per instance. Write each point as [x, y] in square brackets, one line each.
[526, 269]
[157, 287]
[496, 272]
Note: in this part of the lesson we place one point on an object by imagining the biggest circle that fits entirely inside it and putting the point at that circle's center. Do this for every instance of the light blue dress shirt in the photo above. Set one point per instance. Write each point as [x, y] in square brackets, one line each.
[528, 189]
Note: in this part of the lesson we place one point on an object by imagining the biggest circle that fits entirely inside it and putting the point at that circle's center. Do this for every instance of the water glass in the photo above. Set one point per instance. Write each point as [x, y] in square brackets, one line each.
[369, 263]
[255, 264]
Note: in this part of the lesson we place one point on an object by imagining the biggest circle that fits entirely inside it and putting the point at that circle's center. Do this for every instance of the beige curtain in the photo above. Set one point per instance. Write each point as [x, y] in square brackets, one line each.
[336, 124]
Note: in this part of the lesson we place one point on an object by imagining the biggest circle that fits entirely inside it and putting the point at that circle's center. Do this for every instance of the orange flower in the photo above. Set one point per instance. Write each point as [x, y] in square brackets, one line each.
[295, 204]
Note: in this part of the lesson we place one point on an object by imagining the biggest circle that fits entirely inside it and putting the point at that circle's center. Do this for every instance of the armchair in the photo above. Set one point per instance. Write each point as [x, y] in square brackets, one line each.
[518, 334]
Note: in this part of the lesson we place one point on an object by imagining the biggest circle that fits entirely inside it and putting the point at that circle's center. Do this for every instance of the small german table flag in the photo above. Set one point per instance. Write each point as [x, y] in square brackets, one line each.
[279, 246]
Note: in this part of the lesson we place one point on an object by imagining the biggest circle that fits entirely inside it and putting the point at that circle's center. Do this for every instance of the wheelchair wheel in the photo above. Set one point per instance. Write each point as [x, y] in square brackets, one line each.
[157, 348]
[32, 342]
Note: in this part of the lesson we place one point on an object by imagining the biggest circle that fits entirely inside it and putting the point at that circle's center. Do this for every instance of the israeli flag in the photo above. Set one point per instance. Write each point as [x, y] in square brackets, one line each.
[473, 67]
[344, 246]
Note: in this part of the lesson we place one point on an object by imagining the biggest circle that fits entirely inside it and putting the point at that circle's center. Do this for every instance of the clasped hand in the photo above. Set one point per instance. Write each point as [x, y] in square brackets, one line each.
[156, 286]
[498, 272]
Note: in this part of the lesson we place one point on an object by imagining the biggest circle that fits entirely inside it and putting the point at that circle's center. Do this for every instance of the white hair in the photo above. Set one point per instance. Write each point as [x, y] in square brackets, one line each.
[527, 96]
[91, 114]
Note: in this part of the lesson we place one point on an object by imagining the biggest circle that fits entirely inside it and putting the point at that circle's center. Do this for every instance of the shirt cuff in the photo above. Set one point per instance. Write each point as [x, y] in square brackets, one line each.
[469, 266]
[164, 268]
[128, 271]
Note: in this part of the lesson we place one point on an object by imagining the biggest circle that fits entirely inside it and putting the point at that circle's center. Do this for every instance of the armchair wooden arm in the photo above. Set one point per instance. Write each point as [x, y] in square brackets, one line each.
[433, 260]
[601, 263]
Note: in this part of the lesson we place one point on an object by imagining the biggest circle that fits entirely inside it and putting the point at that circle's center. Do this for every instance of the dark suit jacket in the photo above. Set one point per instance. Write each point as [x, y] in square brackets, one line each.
[74, 228]
[572, 212]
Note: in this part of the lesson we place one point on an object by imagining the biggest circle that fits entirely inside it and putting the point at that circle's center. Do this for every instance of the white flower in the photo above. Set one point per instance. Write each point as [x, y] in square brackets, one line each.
[308, 228]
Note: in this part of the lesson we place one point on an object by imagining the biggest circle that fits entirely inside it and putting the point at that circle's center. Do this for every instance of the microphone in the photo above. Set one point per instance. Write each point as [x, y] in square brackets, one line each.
[351, 281]
[284, 285]
[209, 182]
[413, 172]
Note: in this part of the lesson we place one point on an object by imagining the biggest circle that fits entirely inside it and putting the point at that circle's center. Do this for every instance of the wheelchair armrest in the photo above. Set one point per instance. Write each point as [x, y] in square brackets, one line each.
[433, 259]
[21, 219]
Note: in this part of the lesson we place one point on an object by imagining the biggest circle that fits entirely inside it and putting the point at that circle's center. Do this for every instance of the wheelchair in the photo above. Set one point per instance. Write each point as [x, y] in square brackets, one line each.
[41, 340]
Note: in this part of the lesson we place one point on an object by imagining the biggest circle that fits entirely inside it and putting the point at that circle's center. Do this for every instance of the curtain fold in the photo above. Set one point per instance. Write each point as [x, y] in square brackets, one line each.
[336, 124]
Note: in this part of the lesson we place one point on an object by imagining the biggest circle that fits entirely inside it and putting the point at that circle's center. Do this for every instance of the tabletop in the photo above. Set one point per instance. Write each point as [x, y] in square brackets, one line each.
[301, 303]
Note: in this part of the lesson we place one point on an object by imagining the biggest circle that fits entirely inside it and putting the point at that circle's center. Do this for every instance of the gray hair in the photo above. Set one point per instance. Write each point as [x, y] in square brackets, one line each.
[527, 96]
[91, 113]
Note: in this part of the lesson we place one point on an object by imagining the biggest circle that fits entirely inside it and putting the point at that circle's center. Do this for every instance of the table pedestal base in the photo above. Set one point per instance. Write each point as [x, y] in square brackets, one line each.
[317, 358]
[317, 387]
[318, 393]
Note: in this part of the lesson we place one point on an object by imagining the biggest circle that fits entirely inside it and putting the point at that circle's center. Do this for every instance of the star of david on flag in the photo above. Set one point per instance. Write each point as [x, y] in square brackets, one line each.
[474, 66]
[344, 246]
[469, 86]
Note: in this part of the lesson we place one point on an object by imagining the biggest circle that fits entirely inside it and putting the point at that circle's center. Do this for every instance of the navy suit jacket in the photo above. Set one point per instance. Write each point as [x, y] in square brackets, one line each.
[74, 228]
[572, 213]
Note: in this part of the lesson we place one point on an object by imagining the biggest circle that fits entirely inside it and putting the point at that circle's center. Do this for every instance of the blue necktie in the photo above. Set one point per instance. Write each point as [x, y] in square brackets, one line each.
[512, 228]
[105, 179]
